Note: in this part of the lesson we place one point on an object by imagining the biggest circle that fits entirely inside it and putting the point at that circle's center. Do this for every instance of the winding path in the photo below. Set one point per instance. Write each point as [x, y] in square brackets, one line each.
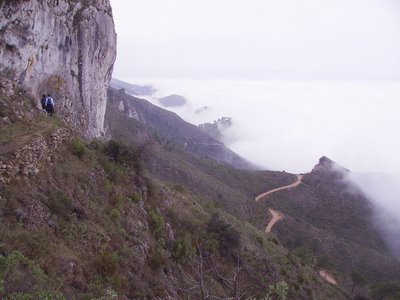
[277, 215]
[286, 187]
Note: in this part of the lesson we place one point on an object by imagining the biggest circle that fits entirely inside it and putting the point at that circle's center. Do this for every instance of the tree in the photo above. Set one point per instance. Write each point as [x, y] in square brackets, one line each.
[204, 270]
[358, 280]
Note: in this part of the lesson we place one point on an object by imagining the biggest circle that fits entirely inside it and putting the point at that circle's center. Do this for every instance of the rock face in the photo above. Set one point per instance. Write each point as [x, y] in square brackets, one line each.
[173, 128]
[64, 47]
[32, 157]
[327, 167]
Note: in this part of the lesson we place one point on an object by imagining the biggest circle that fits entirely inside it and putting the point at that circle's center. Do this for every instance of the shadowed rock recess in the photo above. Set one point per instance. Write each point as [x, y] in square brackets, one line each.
[62, 47]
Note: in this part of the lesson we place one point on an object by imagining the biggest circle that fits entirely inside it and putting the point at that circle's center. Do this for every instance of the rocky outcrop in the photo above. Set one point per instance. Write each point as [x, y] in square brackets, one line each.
[328, 168]
[32, 158]
[64, 47]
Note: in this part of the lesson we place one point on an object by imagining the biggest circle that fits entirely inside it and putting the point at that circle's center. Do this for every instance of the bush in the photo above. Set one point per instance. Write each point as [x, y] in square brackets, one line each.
[60, 204]
[183, 249]
[157, 260]
[22, 278]
[119, 282]
[259, 240]
[78, 147]
[121, 153]
[114, 170]
[279, 290]
[115, 214]
[157, 223]
[225, 234]
[106, 263]
[135, 197]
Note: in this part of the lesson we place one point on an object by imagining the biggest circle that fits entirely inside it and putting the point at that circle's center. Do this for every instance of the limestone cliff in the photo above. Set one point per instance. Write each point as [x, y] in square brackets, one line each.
[63, 47]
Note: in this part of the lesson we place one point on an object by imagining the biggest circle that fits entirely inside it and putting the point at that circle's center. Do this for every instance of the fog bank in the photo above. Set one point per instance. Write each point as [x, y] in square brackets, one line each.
[288, 125]
[384, 192]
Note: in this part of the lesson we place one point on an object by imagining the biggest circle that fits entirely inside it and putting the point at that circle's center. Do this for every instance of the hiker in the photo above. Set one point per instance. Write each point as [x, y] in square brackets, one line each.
[49, 105]
[43, 101]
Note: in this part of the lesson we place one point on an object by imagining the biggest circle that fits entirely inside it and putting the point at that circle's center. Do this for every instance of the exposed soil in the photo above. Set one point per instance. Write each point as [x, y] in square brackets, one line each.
[293, 185]
[327, 276]
[276, 216]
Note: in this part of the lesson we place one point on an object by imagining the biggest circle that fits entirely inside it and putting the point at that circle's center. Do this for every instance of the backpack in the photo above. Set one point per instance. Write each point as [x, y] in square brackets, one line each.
[49, 101]
[43, 102]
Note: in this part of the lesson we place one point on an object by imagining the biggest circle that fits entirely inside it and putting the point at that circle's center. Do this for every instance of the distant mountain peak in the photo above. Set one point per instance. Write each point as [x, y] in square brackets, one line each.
[325, 164]
[173, 100]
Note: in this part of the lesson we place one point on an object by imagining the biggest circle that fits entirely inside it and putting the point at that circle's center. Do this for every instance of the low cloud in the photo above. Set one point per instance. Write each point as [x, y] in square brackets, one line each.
[288, 125]
[384, 193]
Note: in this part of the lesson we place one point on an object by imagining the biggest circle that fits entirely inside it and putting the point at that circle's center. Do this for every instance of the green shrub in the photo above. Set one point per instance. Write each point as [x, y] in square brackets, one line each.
[157, 259]
[183, 249]
[106, 263]
[115, 214]
[107, 185]
[275, 241]
[121, 153]
[114, 170]
[21, 278]
[60, 204]
[157, 224]
[178, 188]
[135, 197]
[389, 290]
[78, 147]
[259, 240]
[279, 290]
[225, 234]
[117, 201]
[120, 282]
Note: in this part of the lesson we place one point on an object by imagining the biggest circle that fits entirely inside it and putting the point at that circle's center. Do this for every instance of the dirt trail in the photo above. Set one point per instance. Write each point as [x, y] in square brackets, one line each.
[277, 215]
[22, 136]
[286, 187]
[327, 276]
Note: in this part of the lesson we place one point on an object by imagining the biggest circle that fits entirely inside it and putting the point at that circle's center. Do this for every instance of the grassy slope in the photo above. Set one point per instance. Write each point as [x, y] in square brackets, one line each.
[325, 221]
[328, 219]
[96, 223]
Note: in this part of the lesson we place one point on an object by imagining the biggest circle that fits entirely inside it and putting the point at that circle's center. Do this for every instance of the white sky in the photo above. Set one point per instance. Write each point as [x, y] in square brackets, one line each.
[258, 39]
[310, 77]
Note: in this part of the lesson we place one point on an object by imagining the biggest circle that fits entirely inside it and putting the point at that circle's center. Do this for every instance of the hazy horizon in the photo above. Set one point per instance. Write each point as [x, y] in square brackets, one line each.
[300, 79]
[282, 125]
[341, 56]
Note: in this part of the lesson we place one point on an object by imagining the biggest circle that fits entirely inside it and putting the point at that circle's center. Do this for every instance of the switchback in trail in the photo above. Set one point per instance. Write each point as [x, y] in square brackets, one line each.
[286, 187]
[277, 216]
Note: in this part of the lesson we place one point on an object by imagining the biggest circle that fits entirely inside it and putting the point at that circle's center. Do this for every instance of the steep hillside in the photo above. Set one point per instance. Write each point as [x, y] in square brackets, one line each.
[329, 220]
[326, 222]
[66, 48]
[173, 128]
[87, 221]
[160, 210]
[132, 89]
[167, 159]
